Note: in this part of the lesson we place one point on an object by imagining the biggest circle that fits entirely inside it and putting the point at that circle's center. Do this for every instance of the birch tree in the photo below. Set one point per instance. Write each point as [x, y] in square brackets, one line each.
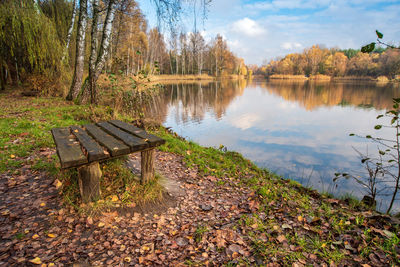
[70, 30]
[98, 56]
[77, 79]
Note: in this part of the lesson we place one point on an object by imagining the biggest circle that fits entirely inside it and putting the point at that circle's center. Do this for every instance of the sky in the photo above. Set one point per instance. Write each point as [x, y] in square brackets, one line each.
[259, 31]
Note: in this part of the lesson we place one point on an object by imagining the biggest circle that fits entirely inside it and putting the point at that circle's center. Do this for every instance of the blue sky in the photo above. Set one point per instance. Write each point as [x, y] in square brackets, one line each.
[263, 30]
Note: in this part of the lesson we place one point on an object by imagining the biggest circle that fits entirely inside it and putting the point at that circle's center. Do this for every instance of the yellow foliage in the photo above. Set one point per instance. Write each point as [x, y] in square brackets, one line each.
[36, 261]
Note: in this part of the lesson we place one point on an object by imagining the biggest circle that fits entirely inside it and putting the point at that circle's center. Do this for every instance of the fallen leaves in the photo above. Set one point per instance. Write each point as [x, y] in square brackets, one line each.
[57, 184]
[36, 261]
[191, 230]
[281, 238]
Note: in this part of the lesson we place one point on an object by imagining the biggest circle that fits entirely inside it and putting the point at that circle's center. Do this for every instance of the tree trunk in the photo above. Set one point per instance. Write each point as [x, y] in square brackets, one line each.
[93, 50]
[170, 62]
[70, 30]
[16, 72]
[147, 163]
[3, 76]
[80, 52]
[89, 182]
[96, 68]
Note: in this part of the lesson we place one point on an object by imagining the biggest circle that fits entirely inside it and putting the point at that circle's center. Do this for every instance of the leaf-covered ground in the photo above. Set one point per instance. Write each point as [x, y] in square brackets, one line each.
[222, 210]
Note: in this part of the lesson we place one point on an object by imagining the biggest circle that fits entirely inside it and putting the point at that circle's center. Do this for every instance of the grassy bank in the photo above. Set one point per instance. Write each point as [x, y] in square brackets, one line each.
[281, 221]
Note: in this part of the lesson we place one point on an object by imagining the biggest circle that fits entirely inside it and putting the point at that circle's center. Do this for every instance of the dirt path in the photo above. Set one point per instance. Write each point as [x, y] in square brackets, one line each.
[198, 228]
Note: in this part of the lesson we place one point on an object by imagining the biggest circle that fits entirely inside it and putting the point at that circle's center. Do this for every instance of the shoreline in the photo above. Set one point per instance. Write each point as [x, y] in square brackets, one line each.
[193, 77]
[231, 210]
[326, 78]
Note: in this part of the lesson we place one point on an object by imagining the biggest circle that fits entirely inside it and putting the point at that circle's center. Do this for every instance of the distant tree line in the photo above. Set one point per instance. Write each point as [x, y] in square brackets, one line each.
[336, 62]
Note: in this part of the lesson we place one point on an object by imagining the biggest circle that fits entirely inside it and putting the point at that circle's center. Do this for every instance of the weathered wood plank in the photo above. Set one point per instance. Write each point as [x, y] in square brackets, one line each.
[89, 182]
[114, 146]
[134, 142]
[147, 165]
[94, 150]
[68, 149]
[150, 138]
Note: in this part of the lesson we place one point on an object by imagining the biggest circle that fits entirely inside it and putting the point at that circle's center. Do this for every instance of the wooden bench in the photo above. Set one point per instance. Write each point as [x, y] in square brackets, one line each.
[85, 146]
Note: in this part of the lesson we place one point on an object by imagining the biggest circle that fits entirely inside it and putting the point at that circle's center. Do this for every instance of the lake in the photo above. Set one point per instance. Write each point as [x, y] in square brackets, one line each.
[299, 130]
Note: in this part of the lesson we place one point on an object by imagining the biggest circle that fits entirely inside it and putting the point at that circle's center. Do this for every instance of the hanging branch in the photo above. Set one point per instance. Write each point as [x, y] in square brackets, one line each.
[70, 30]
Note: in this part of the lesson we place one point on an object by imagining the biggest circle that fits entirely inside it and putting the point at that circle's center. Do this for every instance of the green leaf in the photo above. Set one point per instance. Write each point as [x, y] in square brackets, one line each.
[337, 174]
[345, 174]
[382, 152]
[368, 48]
[368, 136]
[364, 160]
[396, 100]
[351, 134]
[379, 116]
[138, 52]
[377, 127]
[394, 119]
[379, 34]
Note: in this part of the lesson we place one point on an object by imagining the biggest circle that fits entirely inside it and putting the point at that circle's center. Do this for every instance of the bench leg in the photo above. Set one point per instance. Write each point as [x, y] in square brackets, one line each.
[89, 182]
[147, 164]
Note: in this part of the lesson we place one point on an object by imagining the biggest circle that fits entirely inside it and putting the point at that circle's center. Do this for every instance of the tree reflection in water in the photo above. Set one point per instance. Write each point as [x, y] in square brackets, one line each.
[297, 129]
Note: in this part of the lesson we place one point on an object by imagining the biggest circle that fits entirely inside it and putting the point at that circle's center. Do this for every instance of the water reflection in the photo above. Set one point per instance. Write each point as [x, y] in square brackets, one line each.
[297, 129]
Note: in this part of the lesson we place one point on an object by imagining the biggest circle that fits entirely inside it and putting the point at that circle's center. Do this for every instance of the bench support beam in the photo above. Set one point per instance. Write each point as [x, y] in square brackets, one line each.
[89, 182]
[147, 165]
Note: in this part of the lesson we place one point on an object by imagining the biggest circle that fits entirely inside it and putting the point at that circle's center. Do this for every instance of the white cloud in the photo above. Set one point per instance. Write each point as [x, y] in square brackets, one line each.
[264, 30]
[246, 121]
[248, 27]
[290, 46]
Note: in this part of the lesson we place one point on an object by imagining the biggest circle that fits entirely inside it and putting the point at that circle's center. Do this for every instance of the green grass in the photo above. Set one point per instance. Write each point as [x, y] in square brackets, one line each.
[199, 233]
[25, 126]
[208, 160]
[25, 139]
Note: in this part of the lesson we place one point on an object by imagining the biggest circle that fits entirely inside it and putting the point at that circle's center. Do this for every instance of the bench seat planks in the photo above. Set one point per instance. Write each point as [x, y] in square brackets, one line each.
[152, 140]
[79, 146]
[68, 148]
[114, 146]
[135, 143]
[94, 151]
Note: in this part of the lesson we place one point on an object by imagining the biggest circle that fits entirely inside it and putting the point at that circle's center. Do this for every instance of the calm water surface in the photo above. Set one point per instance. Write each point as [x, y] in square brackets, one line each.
[299, 130]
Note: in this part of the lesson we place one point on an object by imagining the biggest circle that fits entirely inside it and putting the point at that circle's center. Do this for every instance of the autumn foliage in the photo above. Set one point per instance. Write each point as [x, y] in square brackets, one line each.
[337, 63]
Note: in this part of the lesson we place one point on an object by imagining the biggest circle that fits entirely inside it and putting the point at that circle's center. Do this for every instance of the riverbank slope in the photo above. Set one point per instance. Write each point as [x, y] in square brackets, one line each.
[218, 207]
